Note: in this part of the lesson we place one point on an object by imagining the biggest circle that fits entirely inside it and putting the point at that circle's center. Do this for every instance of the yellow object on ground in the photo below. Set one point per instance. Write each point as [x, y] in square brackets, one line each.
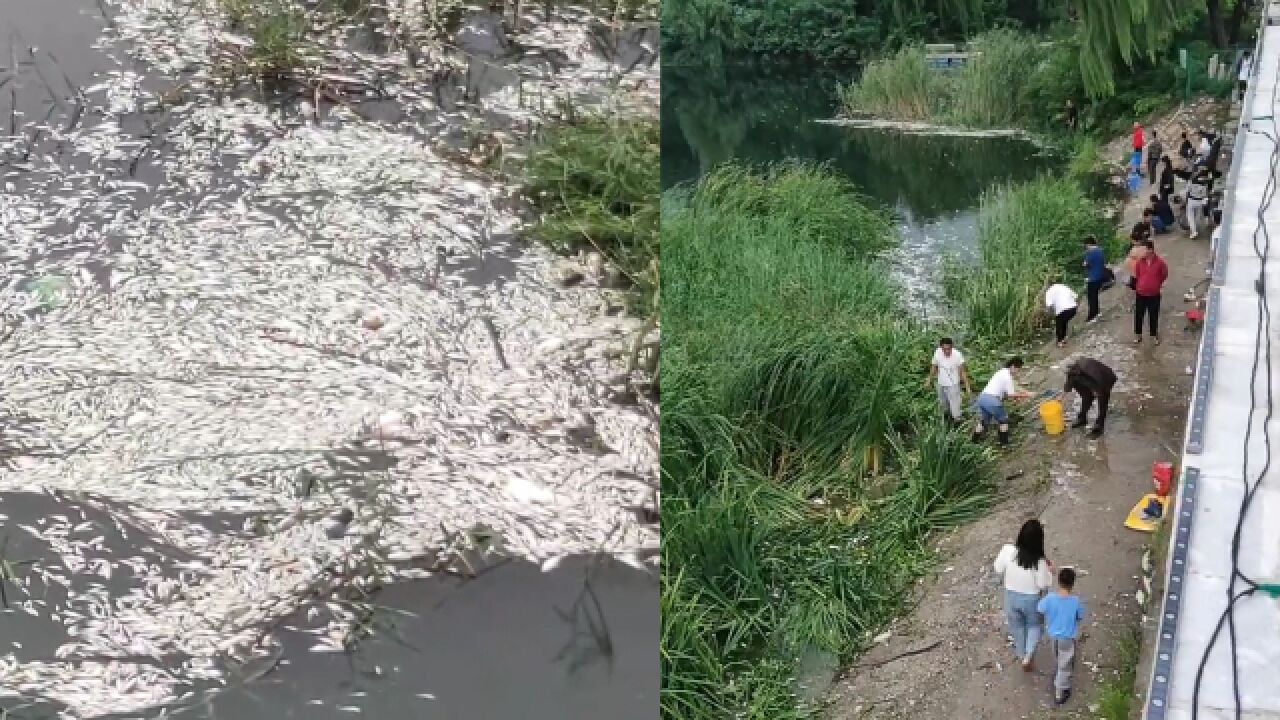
[1136, 521]
[1051, 415]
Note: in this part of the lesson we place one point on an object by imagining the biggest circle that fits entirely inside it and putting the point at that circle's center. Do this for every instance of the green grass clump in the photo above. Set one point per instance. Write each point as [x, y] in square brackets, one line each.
[802, 464]
[277, 28]
[990, 91]
[1115, 699]
[1028, 236]
[992, 87]
[899, 86]
[596, 184]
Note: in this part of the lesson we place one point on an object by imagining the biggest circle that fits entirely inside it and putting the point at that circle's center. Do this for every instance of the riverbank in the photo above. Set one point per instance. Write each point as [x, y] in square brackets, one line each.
[1081, 490]
[302, 346]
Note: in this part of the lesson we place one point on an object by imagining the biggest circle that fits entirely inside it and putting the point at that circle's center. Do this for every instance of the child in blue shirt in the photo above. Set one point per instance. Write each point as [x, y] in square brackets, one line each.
[1063, 612]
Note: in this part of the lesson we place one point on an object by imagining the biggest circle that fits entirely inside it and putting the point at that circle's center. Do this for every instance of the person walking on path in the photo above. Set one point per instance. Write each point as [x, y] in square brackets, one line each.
[1149, 274]
[1246, 69]
[1063, 612]
[1139, 142]
[1026, 574]
[1061, 302]
[1091, 379]
[948, 371]
[1155, 151]
[991, 409]
[1197, 198]
[1095, 274]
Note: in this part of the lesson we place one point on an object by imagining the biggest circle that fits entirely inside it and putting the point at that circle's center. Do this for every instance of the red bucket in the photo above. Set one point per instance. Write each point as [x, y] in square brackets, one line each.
[1162, 474]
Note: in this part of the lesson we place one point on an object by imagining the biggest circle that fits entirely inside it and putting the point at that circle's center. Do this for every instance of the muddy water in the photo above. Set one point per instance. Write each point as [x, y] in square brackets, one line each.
[576, 642]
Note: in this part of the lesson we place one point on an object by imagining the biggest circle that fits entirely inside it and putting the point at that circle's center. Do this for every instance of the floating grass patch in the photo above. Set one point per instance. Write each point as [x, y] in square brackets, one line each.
[802, 465]
[596, 184]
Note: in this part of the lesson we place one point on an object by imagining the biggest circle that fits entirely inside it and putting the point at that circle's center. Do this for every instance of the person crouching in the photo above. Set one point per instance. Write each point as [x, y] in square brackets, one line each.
[991, 409]
[1090, 379]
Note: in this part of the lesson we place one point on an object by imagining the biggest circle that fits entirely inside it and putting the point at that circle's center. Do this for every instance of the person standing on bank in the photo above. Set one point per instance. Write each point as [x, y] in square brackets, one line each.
[1061, 302]
[1139, 142]
[1091, 379]
[991, 402]
[1149, 274]
[1197, 198]
[948, 371]
[1072, 115]
[1155, 150]
[1167, 178]
[1095, 272]
[1026, 575]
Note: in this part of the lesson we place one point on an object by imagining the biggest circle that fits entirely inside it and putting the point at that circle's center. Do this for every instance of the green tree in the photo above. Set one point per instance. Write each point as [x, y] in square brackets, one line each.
[1125, 31]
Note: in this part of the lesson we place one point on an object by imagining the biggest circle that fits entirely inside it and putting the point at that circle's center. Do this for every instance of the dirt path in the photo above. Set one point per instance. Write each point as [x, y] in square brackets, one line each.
[1081, 490]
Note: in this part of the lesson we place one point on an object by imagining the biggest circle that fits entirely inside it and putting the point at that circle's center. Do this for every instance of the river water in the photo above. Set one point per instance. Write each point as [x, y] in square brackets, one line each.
[932, 184]
[266, 372]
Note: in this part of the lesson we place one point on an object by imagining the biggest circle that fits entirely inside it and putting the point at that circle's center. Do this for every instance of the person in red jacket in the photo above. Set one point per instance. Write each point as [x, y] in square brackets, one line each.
[1150, 273]
[1139, 142]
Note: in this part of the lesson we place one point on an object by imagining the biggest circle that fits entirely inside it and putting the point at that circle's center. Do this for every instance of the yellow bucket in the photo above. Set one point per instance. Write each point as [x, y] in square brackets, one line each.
[1051, 415]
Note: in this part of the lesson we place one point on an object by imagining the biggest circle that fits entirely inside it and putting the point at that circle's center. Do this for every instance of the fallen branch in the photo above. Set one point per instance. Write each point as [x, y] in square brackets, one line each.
[899, 656]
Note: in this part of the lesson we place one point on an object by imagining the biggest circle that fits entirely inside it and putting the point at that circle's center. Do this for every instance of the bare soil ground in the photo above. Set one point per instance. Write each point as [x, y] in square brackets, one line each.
[1081, 490]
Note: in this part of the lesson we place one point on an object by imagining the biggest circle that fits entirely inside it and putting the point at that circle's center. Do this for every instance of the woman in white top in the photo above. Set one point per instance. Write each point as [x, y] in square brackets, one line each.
[1061, 302]
[1027, 574]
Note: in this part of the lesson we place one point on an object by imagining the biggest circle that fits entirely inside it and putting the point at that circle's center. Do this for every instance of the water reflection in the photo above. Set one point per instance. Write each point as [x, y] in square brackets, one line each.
[515, 642]
[932, 184]
[712, 116]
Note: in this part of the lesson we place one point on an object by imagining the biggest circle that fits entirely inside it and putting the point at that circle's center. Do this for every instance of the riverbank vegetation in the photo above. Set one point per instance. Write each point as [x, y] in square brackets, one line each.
[1021, 81]
[595, 184]
[1109, 35]
[1028, 236]
[803, 464]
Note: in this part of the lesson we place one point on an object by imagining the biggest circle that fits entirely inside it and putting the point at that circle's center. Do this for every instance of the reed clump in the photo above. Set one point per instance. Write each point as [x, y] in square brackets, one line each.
[990, 91]
[595, 185]
[899, 86]
[802, 466]
[1028, 236]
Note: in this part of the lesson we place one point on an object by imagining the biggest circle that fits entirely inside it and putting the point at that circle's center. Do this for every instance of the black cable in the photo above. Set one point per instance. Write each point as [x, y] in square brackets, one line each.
[1260, 335]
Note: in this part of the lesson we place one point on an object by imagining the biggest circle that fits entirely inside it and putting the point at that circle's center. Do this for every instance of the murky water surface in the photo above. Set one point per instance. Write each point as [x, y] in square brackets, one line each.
[933, 184]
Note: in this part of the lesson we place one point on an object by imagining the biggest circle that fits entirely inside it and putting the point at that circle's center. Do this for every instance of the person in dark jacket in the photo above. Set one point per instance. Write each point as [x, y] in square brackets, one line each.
[1091, 379]
[1187, 151]
[1167, 176]
[1163, 211]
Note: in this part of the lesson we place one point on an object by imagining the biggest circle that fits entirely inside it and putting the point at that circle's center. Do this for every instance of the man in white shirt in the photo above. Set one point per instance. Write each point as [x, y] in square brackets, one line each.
[1061, 302]
[991, 401]
[948, 370]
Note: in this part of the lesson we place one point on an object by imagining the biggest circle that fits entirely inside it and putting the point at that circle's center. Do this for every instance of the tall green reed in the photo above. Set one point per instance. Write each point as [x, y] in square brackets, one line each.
[900, 86]
[786, 356]
[1028, 236]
